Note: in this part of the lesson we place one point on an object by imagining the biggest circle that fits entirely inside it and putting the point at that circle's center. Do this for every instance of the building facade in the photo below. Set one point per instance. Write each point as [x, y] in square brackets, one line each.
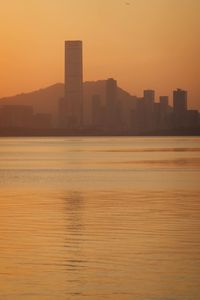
[73, 95]
[180, 101]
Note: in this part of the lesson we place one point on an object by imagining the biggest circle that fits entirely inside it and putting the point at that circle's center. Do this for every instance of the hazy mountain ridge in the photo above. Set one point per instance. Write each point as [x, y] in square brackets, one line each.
[46, 100]
[42, 100]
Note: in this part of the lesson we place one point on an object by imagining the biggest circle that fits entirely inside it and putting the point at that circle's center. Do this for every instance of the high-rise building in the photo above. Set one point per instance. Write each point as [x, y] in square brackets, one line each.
[112, 105]
[192, 119]
[139, 121]
[73, 84]
[164, 103]
[164, 112]
[16, 116]
[180, 108]
[149, 98]
[97, 112]
[180, 101]
[111, 94]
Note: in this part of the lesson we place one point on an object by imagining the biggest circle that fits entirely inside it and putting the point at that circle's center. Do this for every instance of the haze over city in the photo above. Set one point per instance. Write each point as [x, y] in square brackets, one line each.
[94, 108]
[142, 44]
[99, 149]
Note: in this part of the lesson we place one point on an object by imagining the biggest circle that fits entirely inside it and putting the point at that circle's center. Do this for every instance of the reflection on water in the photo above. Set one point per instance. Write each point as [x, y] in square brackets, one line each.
[99, 218]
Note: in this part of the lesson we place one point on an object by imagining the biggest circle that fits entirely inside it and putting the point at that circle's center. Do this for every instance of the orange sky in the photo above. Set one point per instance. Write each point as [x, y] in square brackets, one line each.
[147, 44]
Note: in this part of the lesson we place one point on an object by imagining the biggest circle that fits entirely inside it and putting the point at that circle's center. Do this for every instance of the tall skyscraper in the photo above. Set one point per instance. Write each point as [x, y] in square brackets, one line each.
[111, 94]
[164, 103]
[180, 108]
[112, 105]
[149, 98]
[180, 101]
[73, 84]
[97, 112]
[164, 112]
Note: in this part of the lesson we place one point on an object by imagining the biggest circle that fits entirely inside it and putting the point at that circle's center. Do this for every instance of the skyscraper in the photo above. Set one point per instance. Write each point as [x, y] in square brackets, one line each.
[149, 98]
[73, 84]
[164, 112]
[97, 112]
[180, 101]
[164, 102]
[180, 108]
[112, 105]
[111, 94]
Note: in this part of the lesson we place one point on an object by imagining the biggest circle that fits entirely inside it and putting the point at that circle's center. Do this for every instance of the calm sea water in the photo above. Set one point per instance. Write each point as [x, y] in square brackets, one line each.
[100, 218]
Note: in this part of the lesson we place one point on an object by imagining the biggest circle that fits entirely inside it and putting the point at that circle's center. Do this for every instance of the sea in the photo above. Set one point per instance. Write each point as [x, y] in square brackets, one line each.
[100, 218]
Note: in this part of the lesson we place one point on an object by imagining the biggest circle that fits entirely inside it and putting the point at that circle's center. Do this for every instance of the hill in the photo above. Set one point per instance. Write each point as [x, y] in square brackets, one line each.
[46, 100]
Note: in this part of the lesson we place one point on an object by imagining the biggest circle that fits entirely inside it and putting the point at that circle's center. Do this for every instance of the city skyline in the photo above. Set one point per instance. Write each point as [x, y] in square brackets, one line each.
[111, 115]
[99, 149]
[109, 112]
[144, 45]
[74, 79]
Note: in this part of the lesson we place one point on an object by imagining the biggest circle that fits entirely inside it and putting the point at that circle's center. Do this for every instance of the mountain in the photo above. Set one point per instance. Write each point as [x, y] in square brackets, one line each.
[46, 100]
[43, 100]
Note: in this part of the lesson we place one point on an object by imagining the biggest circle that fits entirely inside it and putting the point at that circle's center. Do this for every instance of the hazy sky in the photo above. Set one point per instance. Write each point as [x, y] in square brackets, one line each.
[147, 44]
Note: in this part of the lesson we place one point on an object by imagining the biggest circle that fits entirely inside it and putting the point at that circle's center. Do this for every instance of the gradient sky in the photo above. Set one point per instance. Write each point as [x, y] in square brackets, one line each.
[147, 44]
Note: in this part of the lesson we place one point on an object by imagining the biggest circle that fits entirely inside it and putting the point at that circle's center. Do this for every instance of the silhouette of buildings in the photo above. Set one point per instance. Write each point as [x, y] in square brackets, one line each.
[111, 110]
[42, 121]
[192, 119]
[22, 116]
[142, 115]
[111, 94]
[149, 98]
[19, 116]
[113, 118]
[180, 108]
[110, 115]
[161, 114]
[179, 101]
[98, 113]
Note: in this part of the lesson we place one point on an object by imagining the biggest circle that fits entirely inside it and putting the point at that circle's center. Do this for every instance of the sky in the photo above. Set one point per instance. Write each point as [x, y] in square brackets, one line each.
[143, 44]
